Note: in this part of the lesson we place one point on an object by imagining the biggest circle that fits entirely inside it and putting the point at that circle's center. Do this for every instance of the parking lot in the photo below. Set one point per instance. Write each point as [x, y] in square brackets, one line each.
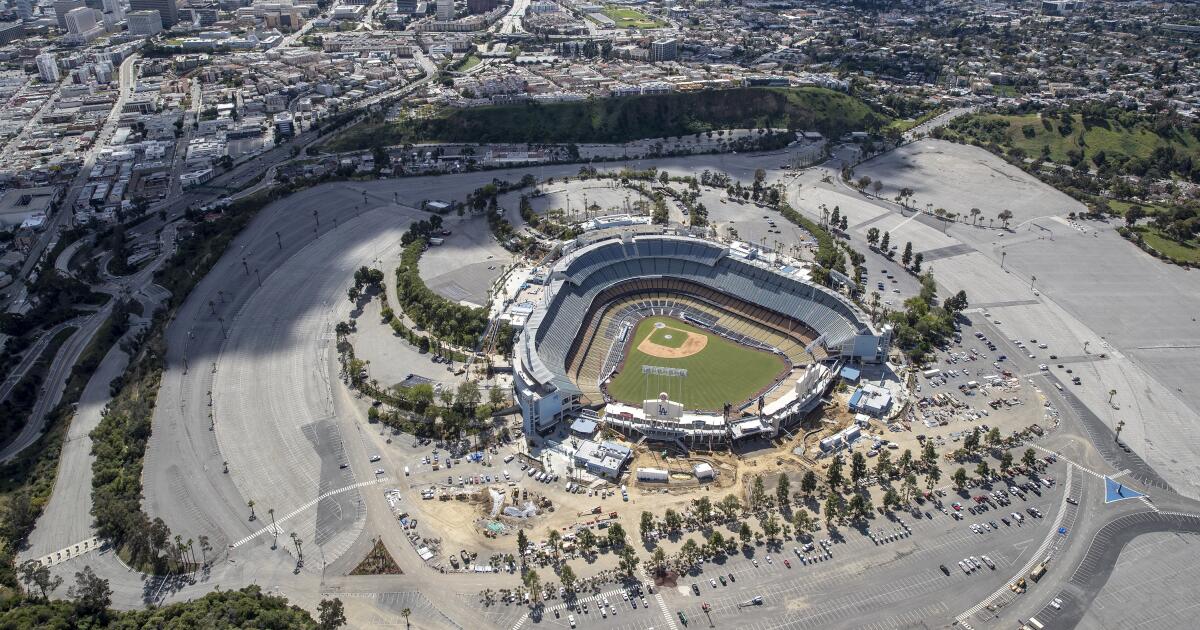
[887, 563]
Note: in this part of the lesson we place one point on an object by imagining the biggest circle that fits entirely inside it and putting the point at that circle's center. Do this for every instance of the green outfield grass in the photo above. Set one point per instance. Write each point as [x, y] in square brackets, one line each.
[631, 18]
[722, 372]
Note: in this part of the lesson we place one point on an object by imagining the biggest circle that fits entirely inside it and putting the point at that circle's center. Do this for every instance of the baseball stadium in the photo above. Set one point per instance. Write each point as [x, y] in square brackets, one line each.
[677, 338]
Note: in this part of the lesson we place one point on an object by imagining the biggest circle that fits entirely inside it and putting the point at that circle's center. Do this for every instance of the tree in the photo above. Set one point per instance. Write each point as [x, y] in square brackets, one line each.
[758, 493]
[647, 524]
[1029, 458]
[1006, 460]
[533, 582]
[522, 544]
[783, 490]
[906, 257]
[909, 488]
[616, 535]
[406, 613]
[858, 468]
[975, 212]
[885, 242]
[956, 303]
[629, 560]
[704, 509]
[730, 506]
[860, 506]
[905, 463]
[37, 574]
[802, 521]
[672, 520]
[553, 540]
[1005, 216]
[891, 499]
[586, 540]
[744, 533]
[468, 396]
[960, 478]
[688, 553]
[993, 437]
[567, 576]
[770, 526]
[832, 507]
[659, 560]
[918, 258]
[971, 441]
[933, 476]
[91, 593]
[873, 236]
[808, 483]
[982, 470]
[883, 465]
[331, 614]
[834, 476]
[928, 454]
[716, 544]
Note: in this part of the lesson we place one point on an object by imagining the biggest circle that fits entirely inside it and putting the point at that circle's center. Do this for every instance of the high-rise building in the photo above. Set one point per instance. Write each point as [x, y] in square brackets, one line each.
[47, 65]
[25, 10]
[81, 20]
[664, 50]
[11, 31]
[114, 7]
[407, 7]
[144, 23]
[476, 7]
[445, 10]
[167, 10]
[62, 8]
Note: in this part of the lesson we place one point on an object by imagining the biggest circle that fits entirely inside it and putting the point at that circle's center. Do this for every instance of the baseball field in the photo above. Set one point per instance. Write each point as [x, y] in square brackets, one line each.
[719, 370]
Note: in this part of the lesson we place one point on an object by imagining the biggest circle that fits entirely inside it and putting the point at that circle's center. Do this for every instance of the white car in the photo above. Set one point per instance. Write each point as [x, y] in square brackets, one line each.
[571, 620]
[1043, 367]
[375, 458]
[378, 471]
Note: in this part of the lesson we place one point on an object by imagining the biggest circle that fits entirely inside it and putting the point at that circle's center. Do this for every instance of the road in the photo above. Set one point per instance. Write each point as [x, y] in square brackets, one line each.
[63, 218]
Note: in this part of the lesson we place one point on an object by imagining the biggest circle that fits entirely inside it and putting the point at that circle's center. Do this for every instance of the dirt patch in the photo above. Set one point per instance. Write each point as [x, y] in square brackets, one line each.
[692, 344]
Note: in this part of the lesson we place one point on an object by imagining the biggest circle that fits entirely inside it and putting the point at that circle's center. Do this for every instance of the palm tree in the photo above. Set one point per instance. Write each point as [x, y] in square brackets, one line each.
[1111, 393]
[405, 613]
[1005, 216]
[250, 504]
[274, 530]
[975, 212]
[1120, 425]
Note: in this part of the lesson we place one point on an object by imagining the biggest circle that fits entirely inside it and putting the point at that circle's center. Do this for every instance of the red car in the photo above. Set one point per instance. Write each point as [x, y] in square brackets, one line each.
[957, 506]
[786, 563]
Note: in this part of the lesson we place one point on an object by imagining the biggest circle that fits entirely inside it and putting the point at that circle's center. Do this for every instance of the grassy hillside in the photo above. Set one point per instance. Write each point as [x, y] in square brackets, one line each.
[627, 118]
[1065, 143]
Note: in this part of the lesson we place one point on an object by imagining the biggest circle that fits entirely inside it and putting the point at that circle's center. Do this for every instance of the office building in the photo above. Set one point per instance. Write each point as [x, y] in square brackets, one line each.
[47, 65]
[144, 23]
[11, 32]
[445, 10]
[115, 8]
[664, 50]
[62, 7]
[25, 10]
[476, 7]
[81, 20]
[167, 10]
[407, 7]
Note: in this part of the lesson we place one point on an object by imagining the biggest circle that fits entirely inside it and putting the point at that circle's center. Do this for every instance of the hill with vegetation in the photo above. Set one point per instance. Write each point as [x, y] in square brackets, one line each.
[627, 118]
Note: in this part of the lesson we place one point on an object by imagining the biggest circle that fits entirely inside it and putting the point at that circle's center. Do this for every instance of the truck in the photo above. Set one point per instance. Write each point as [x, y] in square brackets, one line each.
[1037, 572]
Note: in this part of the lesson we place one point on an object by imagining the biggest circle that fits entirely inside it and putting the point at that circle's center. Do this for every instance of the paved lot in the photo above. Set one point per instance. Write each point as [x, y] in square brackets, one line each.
[1157, 571]
[284, 425]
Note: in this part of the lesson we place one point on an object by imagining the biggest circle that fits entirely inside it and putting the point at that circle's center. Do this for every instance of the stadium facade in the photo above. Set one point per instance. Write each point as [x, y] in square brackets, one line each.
[598, 287]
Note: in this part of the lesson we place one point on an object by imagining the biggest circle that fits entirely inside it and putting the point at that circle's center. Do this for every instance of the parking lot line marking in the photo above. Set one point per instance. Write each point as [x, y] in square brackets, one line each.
[269, 528]
[1037, 555]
